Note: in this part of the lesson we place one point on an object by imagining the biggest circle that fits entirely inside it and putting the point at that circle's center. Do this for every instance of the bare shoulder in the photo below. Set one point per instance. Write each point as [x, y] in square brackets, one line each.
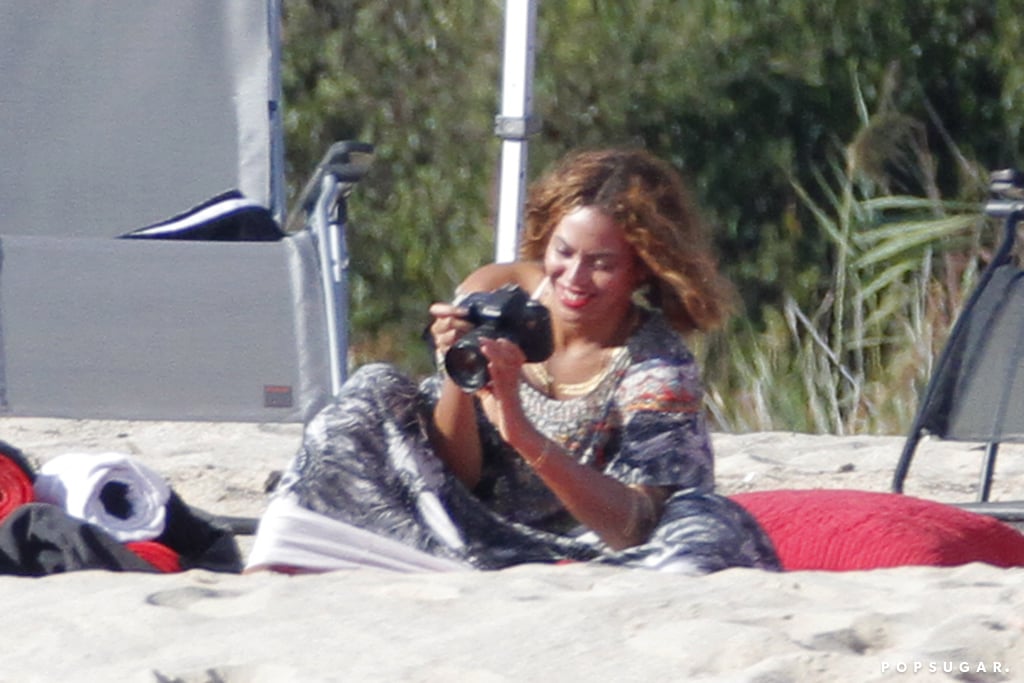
[526, 274]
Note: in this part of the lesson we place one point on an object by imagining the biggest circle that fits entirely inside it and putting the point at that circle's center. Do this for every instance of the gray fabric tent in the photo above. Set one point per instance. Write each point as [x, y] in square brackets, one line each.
[976, 393]
[116, 116]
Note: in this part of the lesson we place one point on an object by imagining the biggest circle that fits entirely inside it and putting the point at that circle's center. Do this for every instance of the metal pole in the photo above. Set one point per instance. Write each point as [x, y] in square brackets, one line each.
[277, 182]
[515, 123]
[333, 264]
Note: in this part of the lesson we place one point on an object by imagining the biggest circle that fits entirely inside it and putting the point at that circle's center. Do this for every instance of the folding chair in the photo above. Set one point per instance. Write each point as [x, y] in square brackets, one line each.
[116, 116]
[977, 391]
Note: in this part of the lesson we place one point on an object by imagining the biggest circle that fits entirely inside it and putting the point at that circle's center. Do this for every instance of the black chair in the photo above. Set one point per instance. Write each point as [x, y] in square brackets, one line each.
[976, 393]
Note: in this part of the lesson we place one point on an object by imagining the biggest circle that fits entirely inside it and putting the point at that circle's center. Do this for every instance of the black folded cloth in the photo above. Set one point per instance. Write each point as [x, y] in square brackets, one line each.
[38, 539]
[228, 217]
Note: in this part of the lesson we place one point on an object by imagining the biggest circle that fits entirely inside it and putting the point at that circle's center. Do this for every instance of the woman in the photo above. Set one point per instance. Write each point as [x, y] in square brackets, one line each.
[600, 452]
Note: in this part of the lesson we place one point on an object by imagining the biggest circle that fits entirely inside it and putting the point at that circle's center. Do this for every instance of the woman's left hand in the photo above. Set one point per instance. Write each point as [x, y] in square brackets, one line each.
[500, 397]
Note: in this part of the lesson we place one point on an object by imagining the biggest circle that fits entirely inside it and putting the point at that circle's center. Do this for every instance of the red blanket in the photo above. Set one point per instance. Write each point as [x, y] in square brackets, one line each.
[15, 486]
[839, 530]
[157, 554]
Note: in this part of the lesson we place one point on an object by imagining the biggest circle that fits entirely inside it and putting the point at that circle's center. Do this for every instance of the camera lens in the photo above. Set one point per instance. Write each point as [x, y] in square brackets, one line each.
[466, 365]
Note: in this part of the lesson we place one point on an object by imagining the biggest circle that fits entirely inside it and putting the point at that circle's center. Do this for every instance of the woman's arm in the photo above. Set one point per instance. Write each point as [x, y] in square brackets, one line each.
[454, 434]
[620, 514]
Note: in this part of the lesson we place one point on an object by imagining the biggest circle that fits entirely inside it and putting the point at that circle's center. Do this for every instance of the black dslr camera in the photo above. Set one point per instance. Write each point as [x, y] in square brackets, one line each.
[505, 313]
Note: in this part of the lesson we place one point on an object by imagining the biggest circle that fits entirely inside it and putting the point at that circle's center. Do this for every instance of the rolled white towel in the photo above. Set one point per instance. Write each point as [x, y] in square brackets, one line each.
[120, 495]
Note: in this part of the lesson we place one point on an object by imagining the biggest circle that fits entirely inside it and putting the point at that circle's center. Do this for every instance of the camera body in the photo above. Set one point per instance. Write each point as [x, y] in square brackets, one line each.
[505, 313]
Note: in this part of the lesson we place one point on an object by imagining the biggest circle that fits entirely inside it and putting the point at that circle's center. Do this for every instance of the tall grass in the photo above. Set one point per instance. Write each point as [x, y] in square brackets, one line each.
[853, 356]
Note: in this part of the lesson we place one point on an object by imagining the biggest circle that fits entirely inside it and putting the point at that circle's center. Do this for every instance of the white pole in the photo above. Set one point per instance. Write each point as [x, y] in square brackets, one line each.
[515, 123]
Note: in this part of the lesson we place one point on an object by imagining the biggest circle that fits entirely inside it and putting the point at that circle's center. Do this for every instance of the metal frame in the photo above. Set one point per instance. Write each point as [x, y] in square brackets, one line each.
[323, 210]
[1007, 202]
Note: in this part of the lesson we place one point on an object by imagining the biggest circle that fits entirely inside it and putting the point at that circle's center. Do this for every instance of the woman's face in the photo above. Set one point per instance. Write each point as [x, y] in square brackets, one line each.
[593, 270]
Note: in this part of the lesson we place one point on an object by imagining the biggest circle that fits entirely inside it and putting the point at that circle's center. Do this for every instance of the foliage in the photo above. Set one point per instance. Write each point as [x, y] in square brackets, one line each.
[838, 148]
[416, 79]
[857, 361]
[747, 96]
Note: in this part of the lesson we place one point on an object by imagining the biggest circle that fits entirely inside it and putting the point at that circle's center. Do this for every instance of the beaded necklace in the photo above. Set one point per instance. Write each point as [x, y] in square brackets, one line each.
[537, 375]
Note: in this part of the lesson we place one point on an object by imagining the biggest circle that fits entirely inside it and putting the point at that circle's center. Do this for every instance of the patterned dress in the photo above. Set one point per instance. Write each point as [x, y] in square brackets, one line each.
[366, 461]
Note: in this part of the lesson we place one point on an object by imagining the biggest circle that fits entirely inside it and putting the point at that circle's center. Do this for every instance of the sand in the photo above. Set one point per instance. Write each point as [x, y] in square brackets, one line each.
[532, 623]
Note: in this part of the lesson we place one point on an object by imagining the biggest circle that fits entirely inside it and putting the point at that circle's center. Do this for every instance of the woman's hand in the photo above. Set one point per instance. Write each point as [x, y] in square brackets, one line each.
[500, 397]
[449, 325]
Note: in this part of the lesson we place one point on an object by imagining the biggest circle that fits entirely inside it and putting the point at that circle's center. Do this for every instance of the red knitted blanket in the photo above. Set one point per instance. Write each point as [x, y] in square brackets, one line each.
[839, 530]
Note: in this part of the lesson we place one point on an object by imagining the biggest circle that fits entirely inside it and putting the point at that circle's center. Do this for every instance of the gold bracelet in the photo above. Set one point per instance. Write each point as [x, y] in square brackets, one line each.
[634, 515]
[641, 511]
[542, 458]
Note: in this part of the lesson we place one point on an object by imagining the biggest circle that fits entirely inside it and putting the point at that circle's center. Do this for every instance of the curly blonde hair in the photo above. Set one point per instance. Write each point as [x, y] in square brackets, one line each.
[648, 198]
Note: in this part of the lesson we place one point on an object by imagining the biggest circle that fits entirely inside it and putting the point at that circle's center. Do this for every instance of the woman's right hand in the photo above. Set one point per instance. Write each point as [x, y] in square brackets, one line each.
[448, 327]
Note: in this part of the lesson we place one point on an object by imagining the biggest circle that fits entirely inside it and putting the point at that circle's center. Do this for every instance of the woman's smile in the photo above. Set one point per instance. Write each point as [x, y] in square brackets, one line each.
[573, 299]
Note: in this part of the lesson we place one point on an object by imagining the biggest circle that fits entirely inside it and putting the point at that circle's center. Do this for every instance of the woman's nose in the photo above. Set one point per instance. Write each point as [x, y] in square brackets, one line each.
[574, 271]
